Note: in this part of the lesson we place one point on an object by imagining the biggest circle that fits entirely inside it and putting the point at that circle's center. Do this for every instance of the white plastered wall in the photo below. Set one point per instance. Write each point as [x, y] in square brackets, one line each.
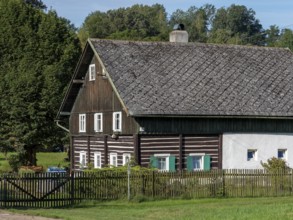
[235, 147]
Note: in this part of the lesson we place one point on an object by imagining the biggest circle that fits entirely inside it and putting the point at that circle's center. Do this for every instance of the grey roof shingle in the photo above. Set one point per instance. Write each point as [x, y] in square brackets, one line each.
[161, 78]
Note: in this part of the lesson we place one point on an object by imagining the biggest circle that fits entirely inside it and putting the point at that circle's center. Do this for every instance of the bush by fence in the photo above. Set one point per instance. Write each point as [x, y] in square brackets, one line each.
[52, 190]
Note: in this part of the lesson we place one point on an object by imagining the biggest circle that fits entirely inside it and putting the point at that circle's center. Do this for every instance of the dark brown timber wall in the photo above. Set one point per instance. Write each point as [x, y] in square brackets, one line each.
[98, 96]
[103, 144]
[181, 146]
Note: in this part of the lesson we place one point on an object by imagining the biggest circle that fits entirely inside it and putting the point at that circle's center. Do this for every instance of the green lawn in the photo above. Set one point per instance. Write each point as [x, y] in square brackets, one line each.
[243, 208]
[44, 159]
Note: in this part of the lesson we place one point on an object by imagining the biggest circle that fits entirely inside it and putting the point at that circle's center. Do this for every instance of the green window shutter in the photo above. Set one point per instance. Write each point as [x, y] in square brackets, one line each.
[189, 163]
[154, 162]
[206, 162]
[172, 163]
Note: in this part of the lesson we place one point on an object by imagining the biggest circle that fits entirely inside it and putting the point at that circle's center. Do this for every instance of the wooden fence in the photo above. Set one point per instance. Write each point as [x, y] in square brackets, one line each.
[56, 190]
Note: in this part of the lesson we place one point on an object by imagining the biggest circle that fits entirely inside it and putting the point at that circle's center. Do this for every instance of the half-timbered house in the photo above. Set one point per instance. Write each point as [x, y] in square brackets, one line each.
[178, 105]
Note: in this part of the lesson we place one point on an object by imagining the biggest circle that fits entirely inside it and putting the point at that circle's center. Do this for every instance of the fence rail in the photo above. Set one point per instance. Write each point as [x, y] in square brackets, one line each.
[55, 190]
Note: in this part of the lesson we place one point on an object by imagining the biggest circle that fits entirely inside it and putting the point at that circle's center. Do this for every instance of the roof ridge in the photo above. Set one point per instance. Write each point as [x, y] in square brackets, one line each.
[189, 44]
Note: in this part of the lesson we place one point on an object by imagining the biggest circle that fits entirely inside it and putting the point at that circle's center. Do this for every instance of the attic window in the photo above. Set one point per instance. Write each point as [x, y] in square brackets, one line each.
[92, 72]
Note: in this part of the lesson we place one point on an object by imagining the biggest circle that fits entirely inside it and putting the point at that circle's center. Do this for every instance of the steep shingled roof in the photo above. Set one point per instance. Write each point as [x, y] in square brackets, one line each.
[160, 78]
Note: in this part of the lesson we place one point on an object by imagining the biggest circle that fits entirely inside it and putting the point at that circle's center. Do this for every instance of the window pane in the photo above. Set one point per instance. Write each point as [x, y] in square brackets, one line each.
[162, 163]
[281, 154]
[251, 155]
[196, 162]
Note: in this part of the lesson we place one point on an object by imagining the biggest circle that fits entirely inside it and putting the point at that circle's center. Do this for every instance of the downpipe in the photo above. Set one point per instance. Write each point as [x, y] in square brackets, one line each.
[62, 127]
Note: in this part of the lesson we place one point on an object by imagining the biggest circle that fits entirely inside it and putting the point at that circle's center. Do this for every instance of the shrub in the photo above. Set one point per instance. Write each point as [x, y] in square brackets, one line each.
[274, 164]
[15, 161]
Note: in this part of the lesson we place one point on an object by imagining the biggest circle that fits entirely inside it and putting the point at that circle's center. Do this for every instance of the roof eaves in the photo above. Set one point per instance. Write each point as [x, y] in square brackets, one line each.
[85, 51]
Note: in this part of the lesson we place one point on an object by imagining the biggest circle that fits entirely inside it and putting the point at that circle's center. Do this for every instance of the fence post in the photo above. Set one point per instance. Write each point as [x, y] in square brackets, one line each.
[142, 184]
[224, 190]
[5, 191]
[153, 186]
[72, 187]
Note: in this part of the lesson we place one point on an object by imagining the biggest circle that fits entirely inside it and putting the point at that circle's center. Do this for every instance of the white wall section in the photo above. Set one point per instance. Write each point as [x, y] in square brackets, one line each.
[235, 147]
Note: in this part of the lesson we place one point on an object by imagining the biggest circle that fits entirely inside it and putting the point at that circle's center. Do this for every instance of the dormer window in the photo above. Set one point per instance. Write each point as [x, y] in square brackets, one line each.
[92, 72]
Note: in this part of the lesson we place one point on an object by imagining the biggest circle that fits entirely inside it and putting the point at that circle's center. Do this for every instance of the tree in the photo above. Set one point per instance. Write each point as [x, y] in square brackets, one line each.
[272, 35]
[196, 21]
[236, 24]
[139, 22]
[38, 52]
[285, 39]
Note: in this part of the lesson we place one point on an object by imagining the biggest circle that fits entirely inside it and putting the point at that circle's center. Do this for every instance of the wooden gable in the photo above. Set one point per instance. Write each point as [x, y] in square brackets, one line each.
[98, 96]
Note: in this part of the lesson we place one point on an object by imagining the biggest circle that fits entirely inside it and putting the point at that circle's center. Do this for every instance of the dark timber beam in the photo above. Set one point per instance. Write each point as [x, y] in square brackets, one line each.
[220, 152]
[136, 143]
[105, 150]
[78, 81]
[180, 152]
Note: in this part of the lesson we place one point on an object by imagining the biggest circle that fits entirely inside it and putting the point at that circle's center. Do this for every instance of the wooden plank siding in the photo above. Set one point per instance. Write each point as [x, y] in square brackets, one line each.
[148, 146]
[212, 125]
[80, 144]
[124, 144]
[98, 96]
[206, 144]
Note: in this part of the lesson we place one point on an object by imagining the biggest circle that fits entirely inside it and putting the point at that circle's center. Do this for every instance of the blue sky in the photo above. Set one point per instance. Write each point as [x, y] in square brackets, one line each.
[269, 12]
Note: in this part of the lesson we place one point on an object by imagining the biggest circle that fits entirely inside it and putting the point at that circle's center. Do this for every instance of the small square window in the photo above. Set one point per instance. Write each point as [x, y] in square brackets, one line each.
[82, 122]
[282, 154]
[198, 161]
[92, 72]
[161, 162]
[251, 155]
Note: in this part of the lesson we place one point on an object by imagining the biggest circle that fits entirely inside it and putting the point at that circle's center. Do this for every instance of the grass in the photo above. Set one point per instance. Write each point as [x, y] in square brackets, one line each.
[209, 209]
[44, 159]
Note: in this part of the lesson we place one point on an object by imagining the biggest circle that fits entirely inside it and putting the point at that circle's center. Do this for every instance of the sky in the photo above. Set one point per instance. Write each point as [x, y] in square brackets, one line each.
[268, 12]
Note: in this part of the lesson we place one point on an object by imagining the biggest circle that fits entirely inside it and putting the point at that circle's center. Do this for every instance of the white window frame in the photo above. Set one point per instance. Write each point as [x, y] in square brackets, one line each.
[98, 123]
[112, 160]
[254, 158]
[125, 155]
[166, 157]
[97, 160]
[285, 154]
[202, 160]
[82, 122]
[81, 161]
[117, 120]
[92, 72]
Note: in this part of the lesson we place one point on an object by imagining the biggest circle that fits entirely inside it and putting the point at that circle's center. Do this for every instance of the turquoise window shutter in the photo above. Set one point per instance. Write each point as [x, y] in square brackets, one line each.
[154, 162]
[189, 163]
[206, 162]
[172, 163]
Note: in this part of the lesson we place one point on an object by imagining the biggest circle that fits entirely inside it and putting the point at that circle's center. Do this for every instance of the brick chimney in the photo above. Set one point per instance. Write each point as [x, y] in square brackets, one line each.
[178, 35]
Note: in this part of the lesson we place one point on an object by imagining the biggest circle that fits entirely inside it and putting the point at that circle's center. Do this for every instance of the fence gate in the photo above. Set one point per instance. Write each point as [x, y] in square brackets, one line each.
[35, 190]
